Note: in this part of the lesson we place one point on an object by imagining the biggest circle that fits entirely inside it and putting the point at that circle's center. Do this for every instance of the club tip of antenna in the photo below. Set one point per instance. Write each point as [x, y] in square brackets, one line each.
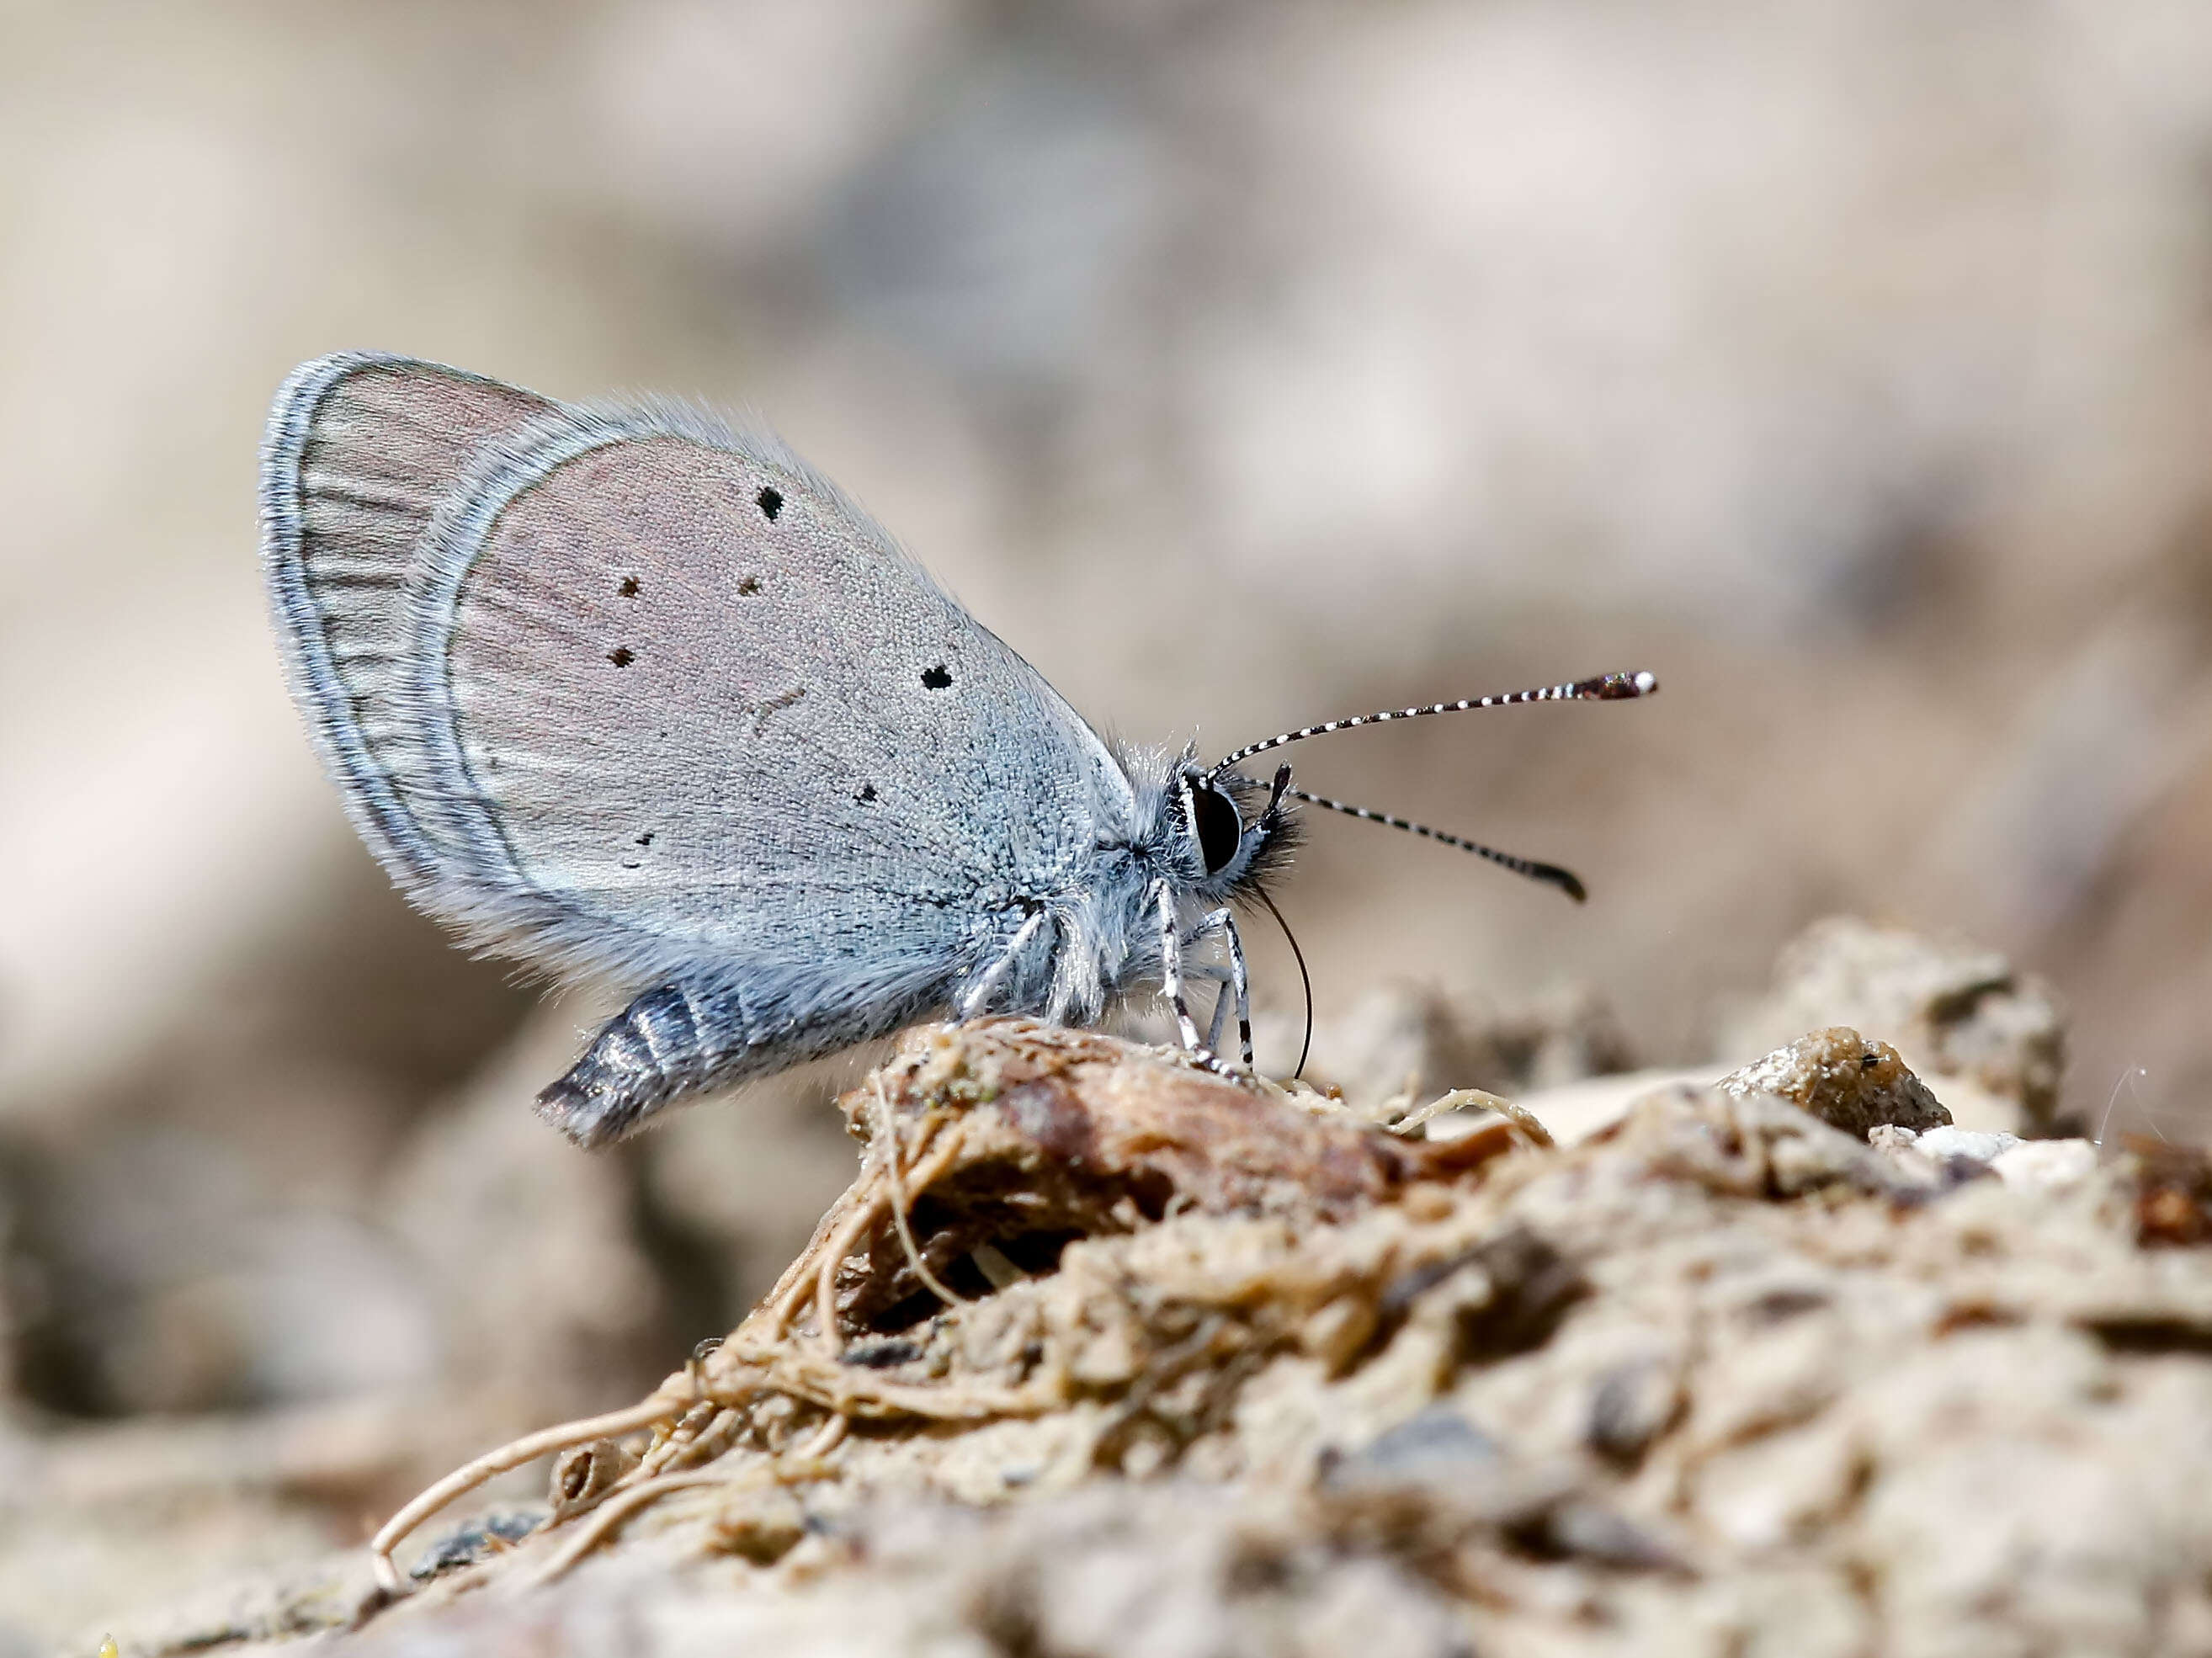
[1612, 687]
[1565, 879]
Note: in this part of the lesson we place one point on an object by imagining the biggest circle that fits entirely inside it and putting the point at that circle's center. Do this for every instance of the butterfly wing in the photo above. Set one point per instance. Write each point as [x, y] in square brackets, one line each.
[619, 690]
[361, 452]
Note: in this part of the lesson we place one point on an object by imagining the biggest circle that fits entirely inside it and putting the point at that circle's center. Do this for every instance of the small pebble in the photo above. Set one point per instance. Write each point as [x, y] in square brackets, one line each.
[1846, 1080]
[1948, 1142]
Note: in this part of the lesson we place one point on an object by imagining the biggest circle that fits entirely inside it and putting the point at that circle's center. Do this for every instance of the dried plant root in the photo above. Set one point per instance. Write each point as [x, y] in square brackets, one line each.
[680, 1450]
[893, 1153]
[648, 1413]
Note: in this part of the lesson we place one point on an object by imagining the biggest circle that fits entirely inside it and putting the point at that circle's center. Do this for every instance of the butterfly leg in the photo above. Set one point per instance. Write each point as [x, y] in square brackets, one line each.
[1171, 981]
[980, 993]
[1171, 973]
[1218, 976]
[1207, 972]
[1222, 997]
[1239, 985]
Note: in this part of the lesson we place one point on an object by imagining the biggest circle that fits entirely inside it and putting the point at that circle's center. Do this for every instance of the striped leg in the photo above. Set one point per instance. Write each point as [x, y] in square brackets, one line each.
[1240, 982]
[1171, 982]
[1239, 986]
[1208, 973]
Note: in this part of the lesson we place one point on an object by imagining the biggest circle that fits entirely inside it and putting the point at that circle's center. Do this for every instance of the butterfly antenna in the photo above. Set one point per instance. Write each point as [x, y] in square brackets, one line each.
[1605, 688]
[1565, 879]
[1305, 1043]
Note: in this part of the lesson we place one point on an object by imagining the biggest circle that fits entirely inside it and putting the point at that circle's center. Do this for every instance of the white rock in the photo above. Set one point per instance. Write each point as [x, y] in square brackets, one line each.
[1940, 1143]
[2046, 1165]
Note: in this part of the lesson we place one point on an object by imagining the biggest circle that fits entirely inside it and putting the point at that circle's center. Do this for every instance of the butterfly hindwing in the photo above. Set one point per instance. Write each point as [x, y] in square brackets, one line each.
[362, 450]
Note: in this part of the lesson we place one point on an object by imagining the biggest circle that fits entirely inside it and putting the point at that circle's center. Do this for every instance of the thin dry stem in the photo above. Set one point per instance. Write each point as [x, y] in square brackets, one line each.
[828, 1436]
[825, 1279]
[680, 1448]
[887, 1136]
[513, 1454]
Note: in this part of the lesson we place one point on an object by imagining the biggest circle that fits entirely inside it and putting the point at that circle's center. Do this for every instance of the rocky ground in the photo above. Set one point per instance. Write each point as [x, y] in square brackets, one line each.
[1102, 1354]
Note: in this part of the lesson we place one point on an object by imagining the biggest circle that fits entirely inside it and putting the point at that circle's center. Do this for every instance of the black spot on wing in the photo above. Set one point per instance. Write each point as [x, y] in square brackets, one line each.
[937, 678]
[770, 501]
[622, 656]
[628, 587]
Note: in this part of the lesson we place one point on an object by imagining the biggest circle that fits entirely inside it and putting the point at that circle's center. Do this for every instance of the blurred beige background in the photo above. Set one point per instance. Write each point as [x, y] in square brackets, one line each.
[1846, 361]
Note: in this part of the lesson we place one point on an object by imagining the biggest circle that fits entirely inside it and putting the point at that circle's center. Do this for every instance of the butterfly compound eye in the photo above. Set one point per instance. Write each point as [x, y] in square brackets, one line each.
[1219, 829]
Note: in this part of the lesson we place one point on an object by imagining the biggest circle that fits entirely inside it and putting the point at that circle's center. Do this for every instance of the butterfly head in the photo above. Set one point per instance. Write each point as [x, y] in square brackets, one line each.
[1232, 832]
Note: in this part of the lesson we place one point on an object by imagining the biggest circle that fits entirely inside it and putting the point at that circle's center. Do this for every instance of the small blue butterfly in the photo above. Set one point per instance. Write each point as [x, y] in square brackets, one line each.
[623, 693]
